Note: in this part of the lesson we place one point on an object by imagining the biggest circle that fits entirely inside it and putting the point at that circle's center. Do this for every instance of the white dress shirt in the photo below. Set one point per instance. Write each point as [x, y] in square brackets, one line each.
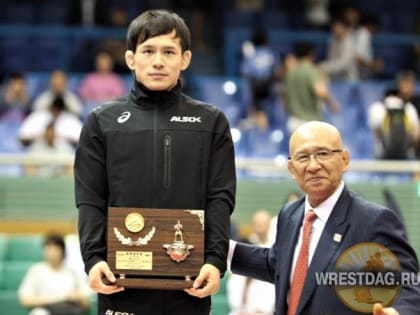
[323, 212]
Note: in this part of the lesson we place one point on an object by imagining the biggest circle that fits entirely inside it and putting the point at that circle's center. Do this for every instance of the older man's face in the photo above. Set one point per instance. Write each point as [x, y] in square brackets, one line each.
[318, 162]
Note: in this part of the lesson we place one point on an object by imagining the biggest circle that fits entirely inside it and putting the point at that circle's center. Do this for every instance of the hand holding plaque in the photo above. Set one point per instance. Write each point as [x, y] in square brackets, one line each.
[155, 248]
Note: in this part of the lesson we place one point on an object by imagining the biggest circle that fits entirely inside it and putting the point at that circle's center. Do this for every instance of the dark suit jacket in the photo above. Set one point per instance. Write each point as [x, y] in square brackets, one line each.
[358, 221]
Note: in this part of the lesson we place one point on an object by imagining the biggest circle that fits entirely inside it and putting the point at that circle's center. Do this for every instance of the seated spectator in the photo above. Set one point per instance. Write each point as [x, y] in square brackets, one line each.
[58, 87]
[51, 288]
[248, 296]
[67, 126]
[103, 84]
[396, 127]
[258, 69]
[52, 146]
[14, 104]
[340, 63]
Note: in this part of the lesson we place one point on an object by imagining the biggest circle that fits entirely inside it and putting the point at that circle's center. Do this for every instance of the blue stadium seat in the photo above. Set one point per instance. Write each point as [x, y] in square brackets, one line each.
[45, 48]
[275, 20]
[54, 12]
[15, 55]
[229, 95]
[19, 13]
[372, 91]
[265, 143]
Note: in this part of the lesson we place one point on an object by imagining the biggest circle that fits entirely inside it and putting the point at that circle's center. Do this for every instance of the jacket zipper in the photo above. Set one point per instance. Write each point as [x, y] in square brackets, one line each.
[154, 167]
[167, 161]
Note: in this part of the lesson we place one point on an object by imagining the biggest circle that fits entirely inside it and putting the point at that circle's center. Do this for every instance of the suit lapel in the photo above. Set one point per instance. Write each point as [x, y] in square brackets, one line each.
[289, 233]
[327, 246]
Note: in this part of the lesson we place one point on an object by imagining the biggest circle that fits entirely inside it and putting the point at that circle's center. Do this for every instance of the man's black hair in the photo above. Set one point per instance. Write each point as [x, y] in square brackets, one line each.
[303, 49]
[154, 23]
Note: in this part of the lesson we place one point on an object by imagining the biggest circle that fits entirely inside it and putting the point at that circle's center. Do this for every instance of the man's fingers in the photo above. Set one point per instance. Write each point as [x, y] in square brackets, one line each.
[99, 275]
[198, 282]
[110, 276]
[378, 309]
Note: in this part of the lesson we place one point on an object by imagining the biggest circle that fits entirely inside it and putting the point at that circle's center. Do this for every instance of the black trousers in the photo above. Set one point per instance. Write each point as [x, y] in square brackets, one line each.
[152, 302]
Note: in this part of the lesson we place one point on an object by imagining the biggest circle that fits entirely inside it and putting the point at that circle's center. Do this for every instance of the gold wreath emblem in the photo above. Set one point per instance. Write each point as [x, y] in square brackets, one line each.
[141, 241]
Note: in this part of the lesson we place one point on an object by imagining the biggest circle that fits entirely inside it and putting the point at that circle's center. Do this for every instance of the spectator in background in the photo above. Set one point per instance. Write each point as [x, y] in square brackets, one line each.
[317, 14]
[395, 124]
[304, 88]
[14, 99]
[368, 65]
[103, 84]
[114, 46]
[67, 126]
[258, 68]
[58, 87]
[88, 12]
[340, 63]
[413, 58]
[351, 15]
[247, 296]
[51, 288]
[52, 146]
[406, 85]
[291, 196]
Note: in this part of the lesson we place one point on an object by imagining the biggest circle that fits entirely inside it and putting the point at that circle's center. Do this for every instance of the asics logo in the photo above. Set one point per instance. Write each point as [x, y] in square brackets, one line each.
[123, 117]
[185, 119]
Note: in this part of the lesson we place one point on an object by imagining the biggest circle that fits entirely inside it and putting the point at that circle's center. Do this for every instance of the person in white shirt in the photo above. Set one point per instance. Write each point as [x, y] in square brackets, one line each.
[377, 113]
[50, 287]
[369, 65]
[58, 87]
[67, 126]
[340, 63]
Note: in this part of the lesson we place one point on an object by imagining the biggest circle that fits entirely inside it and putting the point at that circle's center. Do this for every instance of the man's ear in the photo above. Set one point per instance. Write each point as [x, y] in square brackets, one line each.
[186, 59]
[291, 169]
[129, 59]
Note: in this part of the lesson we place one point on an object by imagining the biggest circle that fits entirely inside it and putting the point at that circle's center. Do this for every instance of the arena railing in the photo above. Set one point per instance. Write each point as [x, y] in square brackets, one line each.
[277, 165]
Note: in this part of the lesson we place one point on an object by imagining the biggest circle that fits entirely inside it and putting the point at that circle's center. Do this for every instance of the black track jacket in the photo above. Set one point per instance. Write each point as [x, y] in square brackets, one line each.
[155, 150]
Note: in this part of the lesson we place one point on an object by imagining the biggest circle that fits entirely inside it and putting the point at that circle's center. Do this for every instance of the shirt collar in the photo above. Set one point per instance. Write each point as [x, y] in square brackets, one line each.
[155, 99]
[324, 210]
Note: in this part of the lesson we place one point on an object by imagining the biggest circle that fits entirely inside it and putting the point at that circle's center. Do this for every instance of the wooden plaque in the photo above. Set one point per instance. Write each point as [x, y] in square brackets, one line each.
[155, 248]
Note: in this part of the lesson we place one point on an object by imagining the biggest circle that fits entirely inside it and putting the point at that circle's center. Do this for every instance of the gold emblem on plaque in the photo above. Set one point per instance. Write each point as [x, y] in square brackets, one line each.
[134, 222]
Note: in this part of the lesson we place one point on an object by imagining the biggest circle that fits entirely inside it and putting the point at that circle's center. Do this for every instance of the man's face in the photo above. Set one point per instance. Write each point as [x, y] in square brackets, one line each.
[314, 164]
[158, 62]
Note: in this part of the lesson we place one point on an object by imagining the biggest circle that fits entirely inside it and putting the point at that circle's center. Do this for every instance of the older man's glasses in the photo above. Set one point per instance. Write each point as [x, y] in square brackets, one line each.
[320, 156]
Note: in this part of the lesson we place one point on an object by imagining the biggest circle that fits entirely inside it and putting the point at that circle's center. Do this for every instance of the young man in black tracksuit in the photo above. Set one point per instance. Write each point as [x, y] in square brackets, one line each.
[155, 148]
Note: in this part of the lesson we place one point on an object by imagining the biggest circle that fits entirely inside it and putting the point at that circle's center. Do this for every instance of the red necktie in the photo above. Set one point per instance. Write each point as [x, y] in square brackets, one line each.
[301, 267]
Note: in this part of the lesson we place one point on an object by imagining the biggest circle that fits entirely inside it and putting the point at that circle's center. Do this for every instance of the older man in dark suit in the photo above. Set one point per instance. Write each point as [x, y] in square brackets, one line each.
[315, 231]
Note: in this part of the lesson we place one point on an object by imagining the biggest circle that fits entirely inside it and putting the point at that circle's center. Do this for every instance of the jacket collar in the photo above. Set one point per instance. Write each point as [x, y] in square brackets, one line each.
[148, 99]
